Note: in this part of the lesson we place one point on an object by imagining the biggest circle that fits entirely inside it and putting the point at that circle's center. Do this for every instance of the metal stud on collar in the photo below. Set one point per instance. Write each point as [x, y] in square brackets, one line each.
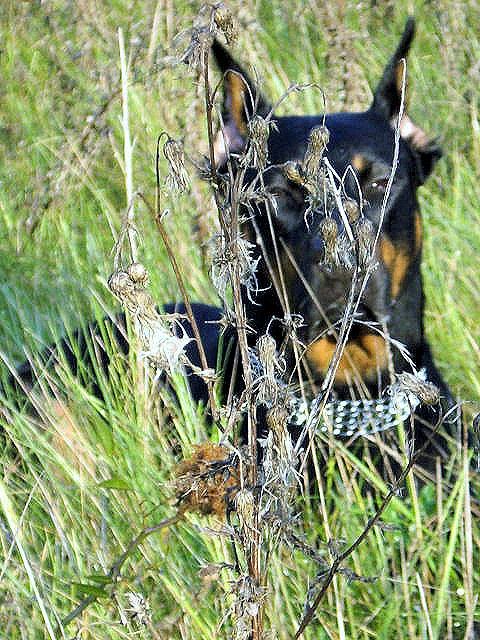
[357, 417]
[363, 417]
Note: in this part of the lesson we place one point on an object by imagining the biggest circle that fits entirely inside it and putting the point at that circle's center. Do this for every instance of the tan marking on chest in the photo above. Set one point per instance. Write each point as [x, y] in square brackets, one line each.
[364, 356]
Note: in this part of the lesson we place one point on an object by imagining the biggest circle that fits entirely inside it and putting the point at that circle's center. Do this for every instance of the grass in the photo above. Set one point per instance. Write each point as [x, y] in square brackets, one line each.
[85, 480]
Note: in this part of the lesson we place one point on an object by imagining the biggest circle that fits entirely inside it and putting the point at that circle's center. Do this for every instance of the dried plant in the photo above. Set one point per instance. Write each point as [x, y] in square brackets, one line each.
[253, 483]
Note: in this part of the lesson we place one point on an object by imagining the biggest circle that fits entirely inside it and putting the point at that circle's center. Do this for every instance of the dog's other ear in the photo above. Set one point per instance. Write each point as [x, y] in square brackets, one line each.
[241, 99]
[387, 100]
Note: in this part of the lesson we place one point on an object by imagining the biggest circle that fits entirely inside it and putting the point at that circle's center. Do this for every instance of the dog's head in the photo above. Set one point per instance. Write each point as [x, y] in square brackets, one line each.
[310, 237]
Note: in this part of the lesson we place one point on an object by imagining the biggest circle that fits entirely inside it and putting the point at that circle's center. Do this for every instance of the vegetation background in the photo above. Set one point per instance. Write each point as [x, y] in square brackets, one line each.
[76, 497]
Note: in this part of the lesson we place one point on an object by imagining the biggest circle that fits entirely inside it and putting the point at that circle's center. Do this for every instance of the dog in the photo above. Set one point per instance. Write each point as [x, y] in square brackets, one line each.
[291, 246]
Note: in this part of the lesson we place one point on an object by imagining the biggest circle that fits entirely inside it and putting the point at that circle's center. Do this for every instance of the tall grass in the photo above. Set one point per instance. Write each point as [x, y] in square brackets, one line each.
[82, 478]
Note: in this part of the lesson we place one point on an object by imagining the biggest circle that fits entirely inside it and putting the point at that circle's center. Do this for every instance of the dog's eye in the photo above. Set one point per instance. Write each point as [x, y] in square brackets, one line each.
[377, 185]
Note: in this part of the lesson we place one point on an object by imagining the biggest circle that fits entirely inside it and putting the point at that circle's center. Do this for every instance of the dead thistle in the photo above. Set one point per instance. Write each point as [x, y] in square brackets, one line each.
[426, 392]
[331, 242]
[161, 346]
[233, 259]
[258, 132]
[177, 178]
[201, 40]
[247, 604]
[269, 388]
[364, 235]
[225, 21]
[317, 143]
[206, 481]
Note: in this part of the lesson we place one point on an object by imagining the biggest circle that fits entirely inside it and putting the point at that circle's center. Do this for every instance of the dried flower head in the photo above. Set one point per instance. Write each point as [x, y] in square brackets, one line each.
[351, 209]
[245, 507]
[207, 480]
[277, 420]
[161, 346]
[177, 178]
[363, 232]
[268, 365]
[426, 392]
[292, 172]
[317, 142]
[139, 608]
[258, 132]
[200, 42]
[230, 259]
[138, 274]
[120, 284]
[225, 21]
[247, 603]
[313, 185]
[267, 352]
[331, 242]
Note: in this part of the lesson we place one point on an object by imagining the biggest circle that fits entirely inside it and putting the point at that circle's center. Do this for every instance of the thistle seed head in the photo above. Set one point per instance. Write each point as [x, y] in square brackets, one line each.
[207, 480]
[331, 241]
[201, 40]
[138, 274]
[228, 255]
[245, 507]
[277, 420]
[363, 232]
[292, 172]
[351, 209]
[177, 178]
[267, 351]
[268, 386]
[317, 142]
[139, 609]
[258, 132]
[160, 345]
[225, 21]
[120, 284]
[426, 392]
[318, 139]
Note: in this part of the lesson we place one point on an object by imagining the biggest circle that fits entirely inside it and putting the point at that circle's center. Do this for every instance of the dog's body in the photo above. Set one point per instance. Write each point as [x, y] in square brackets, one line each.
[294, 253]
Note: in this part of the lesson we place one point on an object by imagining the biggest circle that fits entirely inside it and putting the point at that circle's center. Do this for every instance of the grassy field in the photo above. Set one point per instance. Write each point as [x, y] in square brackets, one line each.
[79, 486]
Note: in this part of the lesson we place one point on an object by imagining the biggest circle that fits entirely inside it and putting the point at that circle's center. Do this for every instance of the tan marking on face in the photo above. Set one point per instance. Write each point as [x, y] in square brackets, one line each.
[359, 162]
[397, 261]
[237, 92]
[364, 356]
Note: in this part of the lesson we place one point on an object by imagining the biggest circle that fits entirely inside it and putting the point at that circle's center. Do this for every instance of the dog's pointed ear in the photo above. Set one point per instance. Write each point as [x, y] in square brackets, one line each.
[387, 100]
[387, 97]
[241, 99]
